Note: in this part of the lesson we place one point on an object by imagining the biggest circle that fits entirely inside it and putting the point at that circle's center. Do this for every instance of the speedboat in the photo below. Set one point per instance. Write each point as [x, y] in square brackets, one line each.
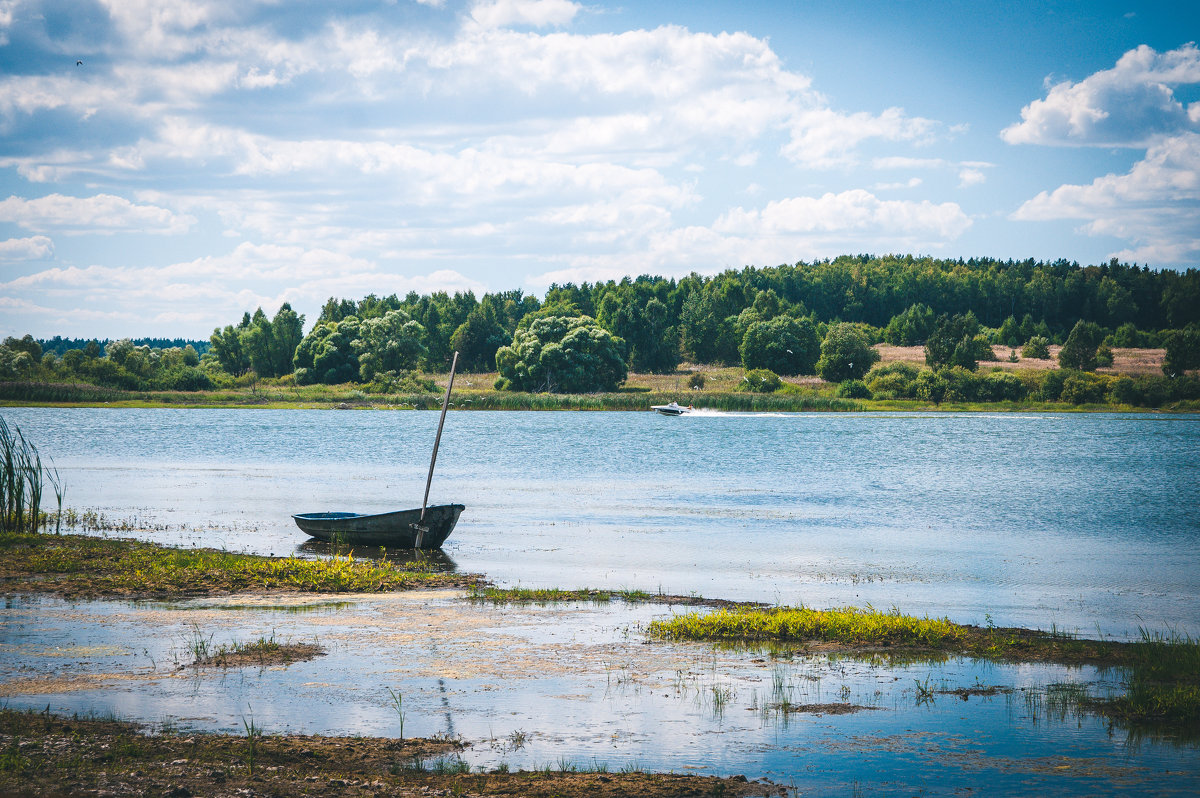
[673, 409]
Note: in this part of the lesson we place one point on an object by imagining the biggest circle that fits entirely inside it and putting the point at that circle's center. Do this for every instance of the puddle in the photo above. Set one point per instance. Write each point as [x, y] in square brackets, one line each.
[531, 686]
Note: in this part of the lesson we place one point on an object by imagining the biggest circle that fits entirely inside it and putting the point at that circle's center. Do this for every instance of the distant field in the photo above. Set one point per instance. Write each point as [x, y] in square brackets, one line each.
[1125, 361]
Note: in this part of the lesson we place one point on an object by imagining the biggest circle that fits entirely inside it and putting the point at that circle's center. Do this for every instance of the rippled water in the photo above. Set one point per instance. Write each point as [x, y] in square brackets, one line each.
[1087, 522]
[1081, 521]
[578, 686]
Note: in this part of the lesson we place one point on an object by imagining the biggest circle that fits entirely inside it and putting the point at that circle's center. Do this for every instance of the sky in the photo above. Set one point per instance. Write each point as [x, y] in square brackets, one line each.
[168, 165]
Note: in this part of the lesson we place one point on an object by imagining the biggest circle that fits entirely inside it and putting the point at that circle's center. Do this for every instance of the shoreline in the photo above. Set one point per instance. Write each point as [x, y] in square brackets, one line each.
[118, 756]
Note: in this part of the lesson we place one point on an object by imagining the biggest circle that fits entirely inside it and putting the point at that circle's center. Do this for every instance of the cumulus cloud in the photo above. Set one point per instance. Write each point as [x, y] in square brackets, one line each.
[782, 231]
[970, 177]
[825, 137]
[33, 248]
[1155, 205]
[195, 295]
[341, 149]
[102, 213]
[848, 212]
[1127, 106]
[536, 13]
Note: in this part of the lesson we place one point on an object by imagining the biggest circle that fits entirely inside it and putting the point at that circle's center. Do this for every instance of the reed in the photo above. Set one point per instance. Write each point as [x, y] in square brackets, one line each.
[23, 482]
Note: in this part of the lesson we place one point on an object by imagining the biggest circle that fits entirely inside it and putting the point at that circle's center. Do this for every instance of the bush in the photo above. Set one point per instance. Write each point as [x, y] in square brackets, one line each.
[760, 381]
[183, 378]
[961, 384]
[982, 348]
[1128, 336]
[1000, 386]
[1125, 392]
[1037, 348]
[1052, 385]
[846, 354]
[1084, 388]
[1104, 356]
[401, 382]
[893, 381]
[931, 387]
[696, 382]
[852, 389]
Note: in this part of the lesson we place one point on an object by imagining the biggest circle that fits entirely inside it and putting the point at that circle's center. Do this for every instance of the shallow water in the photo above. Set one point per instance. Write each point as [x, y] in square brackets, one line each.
[1082, 522]
[578, 685]
[1085, 522]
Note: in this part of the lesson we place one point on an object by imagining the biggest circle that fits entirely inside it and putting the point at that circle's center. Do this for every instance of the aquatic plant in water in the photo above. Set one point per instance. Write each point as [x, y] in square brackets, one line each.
[22, 483]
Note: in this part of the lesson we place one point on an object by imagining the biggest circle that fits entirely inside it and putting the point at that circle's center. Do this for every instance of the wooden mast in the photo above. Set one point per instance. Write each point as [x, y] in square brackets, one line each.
[421, 528]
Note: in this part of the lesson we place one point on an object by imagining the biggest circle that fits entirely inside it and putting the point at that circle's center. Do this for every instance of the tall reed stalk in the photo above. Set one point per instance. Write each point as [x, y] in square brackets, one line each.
[22, 483]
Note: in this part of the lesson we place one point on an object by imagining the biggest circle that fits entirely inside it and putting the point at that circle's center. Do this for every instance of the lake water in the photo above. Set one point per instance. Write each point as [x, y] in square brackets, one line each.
[1085, 522]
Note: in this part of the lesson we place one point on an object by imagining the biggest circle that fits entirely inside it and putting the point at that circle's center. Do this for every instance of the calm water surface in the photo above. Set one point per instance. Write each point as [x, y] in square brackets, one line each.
[1084, 521]
[1087, 522]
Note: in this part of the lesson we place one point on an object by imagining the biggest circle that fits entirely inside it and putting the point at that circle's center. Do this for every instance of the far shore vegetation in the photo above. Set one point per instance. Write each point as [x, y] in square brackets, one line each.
[853, 333]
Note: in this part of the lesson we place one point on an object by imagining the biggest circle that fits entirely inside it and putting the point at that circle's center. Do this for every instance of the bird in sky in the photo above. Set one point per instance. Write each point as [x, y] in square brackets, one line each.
[78, 63]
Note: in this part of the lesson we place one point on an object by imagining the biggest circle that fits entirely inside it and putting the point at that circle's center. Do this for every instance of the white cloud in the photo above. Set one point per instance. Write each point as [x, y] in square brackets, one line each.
[535, 13]
[33, 248]
[1126, 106]
[824, 137]
[348, 150]
[194, 296]
[970, 177]
[848, 212]
[1155, 206]
[102, 213]
[912, 182]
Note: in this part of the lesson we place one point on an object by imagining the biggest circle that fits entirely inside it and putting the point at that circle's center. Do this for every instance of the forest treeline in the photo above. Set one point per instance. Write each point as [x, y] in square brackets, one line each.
[778, 318]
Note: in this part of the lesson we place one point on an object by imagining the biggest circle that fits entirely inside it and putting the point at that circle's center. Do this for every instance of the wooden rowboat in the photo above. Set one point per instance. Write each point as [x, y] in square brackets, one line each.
[395, 530]
[423, 528]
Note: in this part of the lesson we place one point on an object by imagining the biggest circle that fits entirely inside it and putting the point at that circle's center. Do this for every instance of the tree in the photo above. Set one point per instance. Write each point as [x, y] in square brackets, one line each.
[327, 353]
[477, 339]
[287, 331]
[1183, 351]
[257, 341]
[562, 354]
[845, 354]
[1079, 350]
[226, 346]
[1036, 347]
[1009, 333]
[784, 345]
[911, 327]
[392, 342]
[952, 342]
[25, 344]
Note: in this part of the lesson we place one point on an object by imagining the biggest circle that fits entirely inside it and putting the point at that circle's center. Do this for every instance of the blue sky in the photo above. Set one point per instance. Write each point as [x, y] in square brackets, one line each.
[212, 156]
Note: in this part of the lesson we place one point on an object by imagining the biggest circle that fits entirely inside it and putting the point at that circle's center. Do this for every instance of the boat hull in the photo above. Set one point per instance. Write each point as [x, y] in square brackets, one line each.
[394, 530]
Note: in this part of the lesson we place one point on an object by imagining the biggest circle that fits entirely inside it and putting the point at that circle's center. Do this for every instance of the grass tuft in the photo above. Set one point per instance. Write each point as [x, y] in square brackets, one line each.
[82, 565]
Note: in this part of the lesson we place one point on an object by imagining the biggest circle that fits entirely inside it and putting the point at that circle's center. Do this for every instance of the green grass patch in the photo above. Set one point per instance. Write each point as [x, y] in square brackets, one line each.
[517, 595]
[849, 626]
[79, 565]
[1162, 672]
